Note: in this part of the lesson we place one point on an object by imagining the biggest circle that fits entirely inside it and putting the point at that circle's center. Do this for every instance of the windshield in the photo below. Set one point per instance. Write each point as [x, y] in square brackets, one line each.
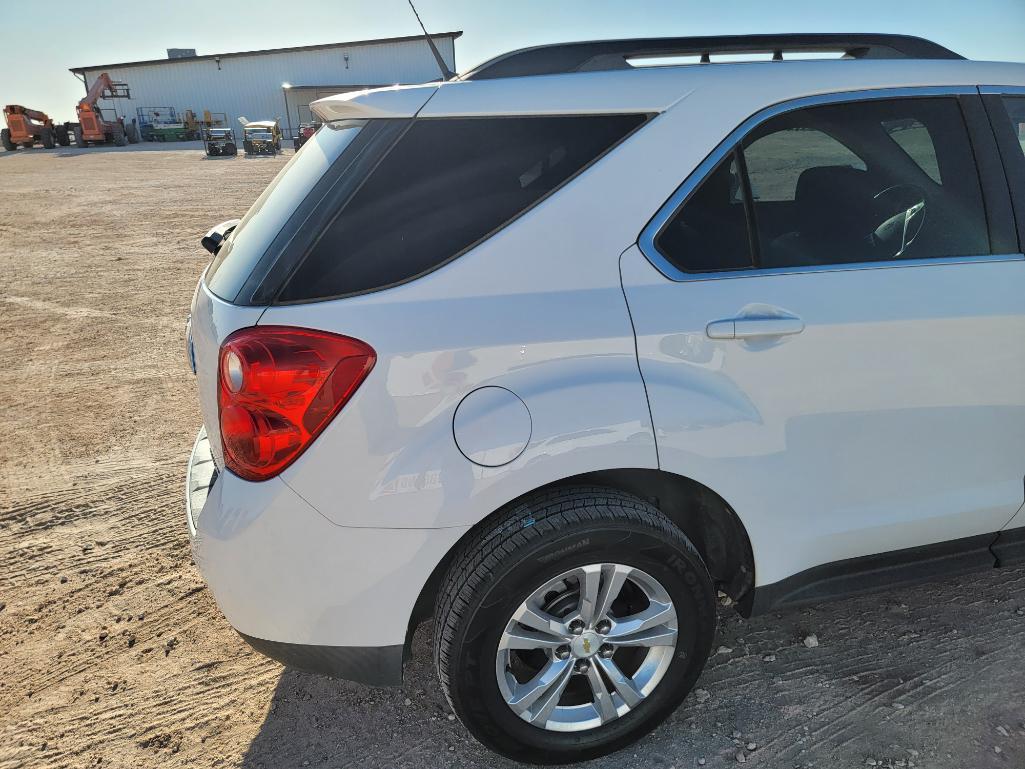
[248, 242]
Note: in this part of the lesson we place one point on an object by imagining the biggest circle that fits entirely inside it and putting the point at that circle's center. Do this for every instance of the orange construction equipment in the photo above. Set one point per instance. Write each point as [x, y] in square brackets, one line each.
[27, 126]
[92, 126]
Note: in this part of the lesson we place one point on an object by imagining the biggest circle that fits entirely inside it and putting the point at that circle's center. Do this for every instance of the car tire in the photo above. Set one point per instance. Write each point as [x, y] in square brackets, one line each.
[507, 570]
[5, 139]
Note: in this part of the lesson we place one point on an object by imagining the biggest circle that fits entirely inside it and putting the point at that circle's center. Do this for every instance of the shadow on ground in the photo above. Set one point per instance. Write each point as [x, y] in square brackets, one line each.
[888, 670]
[333, 723]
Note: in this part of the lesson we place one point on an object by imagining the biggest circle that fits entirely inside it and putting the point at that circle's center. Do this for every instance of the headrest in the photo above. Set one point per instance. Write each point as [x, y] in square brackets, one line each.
[834, 202]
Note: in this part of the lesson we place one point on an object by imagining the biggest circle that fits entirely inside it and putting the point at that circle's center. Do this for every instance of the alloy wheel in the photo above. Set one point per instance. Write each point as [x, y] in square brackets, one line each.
[586, 647]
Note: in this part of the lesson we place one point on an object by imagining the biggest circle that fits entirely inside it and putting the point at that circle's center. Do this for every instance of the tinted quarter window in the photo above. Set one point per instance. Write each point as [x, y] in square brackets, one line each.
[444, 186]
[254, 234]
[709, 232]
[888, 205]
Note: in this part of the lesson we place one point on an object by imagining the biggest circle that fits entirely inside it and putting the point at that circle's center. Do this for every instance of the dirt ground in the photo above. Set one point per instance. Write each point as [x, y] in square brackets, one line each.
[113, 654]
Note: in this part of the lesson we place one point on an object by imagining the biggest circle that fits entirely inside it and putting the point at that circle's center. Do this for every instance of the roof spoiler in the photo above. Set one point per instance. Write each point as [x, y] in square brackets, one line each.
[616, 54]
[394, 102]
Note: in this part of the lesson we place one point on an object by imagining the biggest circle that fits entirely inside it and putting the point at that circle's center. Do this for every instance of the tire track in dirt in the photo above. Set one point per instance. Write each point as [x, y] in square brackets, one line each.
[878, 678]
[137, 604]
[105, 627]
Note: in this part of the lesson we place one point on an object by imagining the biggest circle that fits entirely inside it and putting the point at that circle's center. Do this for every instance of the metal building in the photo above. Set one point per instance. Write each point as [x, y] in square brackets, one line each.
[260, 85]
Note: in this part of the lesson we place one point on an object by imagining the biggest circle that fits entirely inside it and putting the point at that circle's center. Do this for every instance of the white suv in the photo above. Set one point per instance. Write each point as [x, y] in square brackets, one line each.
[555, 351]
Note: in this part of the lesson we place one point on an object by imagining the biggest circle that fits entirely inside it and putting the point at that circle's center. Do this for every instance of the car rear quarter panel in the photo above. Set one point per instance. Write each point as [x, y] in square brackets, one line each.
[212, 320]
[390, 458]
[537, 309]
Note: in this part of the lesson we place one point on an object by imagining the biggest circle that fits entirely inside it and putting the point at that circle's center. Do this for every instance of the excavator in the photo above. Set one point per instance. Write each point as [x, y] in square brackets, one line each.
[92, 126]
[27, 126]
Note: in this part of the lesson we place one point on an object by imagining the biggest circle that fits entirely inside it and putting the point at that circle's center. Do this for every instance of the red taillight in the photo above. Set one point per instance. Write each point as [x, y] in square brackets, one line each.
[277, 388]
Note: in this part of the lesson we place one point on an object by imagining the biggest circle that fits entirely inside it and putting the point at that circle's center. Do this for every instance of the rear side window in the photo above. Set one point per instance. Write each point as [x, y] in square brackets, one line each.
[844, 183]
[444, 186]
[914, 139]
[1007, 114]
[774, 168]
[710, 232]
[1016, 109]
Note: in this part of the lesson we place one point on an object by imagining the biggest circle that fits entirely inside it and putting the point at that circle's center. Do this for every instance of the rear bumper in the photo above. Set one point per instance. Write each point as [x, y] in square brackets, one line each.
[373, 665]
[301, 589]
[200, 478]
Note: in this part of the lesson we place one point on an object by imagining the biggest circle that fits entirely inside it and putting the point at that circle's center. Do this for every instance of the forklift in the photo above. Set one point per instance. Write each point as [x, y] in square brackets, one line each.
[27, 126]
[93, 127]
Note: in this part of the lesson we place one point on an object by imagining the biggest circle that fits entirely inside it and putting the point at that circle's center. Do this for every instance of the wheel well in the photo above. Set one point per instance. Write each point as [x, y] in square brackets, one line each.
[704, 516]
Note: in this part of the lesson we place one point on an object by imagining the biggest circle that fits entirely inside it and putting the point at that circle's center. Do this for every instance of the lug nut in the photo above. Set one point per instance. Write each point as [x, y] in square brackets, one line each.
[576, 627]
[606, 650]
[562, 652]
[583, 666]
[604, 627]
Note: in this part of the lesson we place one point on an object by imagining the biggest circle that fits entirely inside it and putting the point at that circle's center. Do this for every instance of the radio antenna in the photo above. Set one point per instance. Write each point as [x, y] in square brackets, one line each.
[446, 73]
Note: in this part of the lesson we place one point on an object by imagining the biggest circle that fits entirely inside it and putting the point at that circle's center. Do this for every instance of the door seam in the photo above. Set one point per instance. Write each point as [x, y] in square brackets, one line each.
[637, 355]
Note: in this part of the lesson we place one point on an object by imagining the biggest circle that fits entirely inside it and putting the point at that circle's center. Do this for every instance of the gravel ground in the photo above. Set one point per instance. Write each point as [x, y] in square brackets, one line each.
[113, 654]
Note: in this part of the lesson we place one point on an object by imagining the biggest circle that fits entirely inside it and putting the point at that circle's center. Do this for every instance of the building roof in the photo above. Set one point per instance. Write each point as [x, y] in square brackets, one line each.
[340, 88]
[320, 47]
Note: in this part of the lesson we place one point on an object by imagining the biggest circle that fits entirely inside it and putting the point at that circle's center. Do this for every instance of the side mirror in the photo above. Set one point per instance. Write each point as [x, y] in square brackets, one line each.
[213, 240]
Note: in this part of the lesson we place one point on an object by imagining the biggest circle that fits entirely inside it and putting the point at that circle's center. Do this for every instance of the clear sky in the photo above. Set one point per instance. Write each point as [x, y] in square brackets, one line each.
[40, 41]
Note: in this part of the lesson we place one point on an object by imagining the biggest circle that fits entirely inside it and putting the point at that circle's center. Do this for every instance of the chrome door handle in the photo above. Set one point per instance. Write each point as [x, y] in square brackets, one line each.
[753, 328]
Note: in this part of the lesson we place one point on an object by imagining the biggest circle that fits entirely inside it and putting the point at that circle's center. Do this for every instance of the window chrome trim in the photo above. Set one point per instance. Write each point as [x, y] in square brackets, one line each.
[1002, 90]
[889, 264]
[648, 236]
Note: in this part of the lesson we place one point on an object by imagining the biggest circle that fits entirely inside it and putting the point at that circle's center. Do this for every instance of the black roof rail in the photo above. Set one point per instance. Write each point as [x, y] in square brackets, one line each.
[615, 54]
